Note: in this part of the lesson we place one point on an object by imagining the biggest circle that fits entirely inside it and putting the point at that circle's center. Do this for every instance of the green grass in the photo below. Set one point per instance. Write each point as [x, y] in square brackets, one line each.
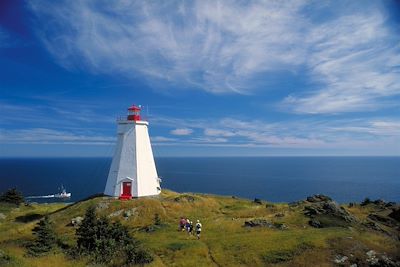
[224, 240]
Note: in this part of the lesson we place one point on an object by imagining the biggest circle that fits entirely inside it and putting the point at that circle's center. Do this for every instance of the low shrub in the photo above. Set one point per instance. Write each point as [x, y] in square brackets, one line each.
[366, 201]
[12, 196]
[4, 258]
[108, 242]
[45, 238]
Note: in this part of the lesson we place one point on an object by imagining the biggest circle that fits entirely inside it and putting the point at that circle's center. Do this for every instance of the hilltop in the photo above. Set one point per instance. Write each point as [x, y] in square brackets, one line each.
[236, 232]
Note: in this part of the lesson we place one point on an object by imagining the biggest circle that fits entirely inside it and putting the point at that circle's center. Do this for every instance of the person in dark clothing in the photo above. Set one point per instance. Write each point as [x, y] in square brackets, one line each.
[182, 224]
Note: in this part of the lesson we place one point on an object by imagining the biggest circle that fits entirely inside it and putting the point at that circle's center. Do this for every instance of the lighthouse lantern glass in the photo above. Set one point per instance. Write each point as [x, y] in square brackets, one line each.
[134, 113]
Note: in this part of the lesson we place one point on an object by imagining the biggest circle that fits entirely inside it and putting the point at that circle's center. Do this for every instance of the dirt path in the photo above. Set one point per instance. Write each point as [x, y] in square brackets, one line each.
[212, 257]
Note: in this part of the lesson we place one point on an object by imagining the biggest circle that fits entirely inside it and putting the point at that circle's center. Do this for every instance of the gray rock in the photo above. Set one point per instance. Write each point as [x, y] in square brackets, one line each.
[265, 223]
[323, 206]
[129, 213]
[103, 205]
[388, 221]
[371, 258]
[150, 228]
[258, 223]
[371, 253]
[354, 265]
[373, 225]
[2, 216]
[315, 223]
[318, 198]
[281, 226]
[76, 221]
[386, 261]
[340, 259]
[115, 213]
[312, 210]
[182, 198]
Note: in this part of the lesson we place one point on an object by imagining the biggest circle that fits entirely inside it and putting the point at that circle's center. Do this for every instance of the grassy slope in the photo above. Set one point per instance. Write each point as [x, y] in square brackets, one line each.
[225, 242]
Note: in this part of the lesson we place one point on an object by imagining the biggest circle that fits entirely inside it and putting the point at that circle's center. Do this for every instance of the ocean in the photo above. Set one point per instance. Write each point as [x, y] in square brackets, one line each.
[276, 179]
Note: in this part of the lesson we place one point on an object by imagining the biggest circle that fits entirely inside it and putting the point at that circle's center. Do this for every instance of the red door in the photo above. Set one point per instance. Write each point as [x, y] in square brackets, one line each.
[126, 190]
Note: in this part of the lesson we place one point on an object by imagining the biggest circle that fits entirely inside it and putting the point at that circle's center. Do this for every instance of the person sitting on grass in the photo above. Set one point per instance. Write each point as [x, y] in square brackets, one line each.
[198, 229]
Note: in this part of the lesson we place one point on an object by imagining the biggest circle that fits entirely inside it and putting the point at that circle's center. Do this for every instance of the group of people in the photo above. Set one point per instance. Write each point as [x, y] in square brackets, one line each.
[187, 225]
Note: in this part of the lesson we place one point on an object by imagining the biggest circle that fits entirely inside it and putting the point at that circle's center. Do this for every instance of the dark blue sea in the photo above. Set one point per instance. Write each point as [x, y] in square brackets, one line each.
[277, 179]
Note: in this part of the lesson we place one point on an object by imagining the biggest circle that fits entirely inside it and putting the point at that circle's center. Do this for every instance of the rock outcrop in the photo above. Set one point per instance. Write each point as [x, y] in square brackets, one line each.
[76, 221]
[265, 223]
[395, 214]
[324, 212]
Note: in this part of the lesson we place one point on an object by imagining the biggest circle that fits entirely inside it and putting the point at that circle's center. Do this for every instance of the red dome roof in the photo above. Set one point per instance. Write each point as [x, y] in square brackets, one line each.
[134, 108]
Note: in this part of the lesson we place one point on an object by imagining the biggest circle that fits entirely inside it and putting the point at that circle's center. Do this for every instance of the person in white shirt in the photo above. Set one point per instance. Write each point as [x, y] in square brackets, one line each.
[198, 229]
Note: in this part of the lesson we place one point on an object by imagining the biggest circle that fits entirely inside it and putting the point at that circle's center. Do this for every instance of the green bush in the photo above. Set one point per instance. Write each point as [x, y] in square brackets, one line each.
[86, 233]
[12, 196]
[45, 238]
[137, 255]
[5, 259]
[105, 241]
[366, 201]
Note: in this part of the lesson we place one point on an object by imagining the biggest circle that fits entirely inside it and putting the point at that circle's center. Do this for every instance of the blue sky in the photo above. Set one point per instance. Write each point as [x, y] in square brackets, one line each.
[216, 78]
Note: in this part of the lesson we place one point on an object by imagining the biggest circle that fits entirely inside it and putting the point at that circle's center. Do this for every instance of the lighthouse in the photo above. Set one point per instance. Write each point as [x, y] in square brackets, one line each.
[133, 172]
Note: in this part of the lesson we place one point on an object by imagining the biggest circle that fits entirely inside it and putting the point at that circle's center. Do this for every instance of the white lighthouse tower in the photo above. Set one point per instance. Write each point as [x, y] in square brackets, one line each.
[133, 171]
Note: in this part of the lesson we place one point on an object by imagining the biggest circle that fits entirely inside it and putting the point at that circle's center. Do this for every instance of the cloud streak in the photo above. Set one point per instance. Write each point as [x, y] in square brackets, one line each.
[51, 136]
[356, 60]
[231, 132]
[204, 44]
[182, 131]
[305, 133]
[350, 60]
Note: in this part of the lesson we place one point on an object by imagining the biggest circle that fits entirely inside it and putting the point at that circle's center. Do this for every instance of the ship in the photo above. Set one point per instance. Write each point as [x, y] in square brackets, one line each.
[63, 193]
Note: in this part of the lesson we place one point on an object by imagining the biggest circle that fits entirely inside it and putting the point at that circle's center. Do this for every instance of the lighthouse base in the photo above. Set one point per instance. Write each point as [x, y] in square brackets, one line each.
[125, 197]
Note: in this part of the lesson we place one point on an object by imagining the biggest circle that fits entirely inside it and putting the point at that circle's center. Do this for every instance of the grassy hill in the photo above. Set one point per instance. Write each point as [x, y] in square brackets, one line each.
[282, 234]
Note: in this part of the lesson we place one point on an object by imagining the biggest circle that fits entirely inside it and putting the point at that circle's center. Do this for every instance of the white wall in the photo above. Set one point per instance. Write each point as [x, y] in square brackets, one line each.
[133, 158]
[146, 168]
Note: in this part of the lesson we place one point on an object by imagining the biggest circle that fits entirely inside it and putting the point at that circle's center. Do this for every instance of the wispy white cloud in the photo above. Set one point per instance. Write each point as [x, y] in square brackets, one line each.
[51, 136]
[182, 131]
[218, 132]
[355, 59]
[375, 128]
[210, 45]
[47, 113]
[228, 132]
[349, 60]
[306, 133]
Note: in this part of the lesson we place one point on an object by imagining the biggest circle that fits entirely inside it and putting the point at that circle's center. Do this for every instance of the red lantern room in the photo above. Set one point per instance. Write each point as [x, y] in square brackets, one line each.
[134, 113]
